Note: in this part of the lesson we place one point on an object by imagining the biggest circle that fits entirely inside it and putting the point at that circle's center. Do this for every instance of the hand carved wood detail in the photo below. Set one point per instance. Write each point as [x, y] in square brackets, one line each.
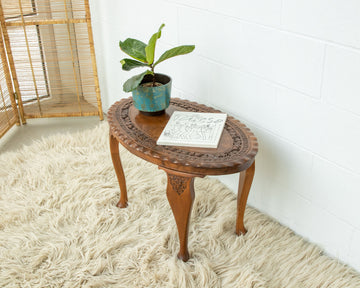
[241, 143]
[178, 183]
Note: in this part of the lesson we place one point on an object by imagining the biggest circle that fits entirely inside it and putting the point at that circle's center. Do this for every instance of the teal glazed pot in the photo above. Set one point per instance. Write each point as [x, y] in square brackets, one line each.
[153, 100]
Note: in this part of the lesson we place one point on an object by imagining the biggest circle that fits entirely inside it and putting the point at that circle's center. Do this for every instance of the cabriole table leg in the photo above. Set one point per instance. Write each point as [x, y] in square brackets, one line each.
[115, 155]
[180, 193]
[245, 181]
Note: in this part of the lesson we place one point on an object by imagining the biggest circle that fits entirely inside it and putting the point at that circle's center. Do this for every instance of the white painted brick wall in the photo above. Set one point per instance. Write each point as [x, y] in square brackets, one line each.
[335, 20]
[290, 70]
[341, 85]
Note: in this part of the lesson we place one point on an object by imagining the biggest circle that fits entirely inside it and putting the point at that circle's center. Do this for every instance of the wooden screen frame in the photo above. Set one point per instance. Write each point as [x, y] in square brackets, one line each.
[5, 68]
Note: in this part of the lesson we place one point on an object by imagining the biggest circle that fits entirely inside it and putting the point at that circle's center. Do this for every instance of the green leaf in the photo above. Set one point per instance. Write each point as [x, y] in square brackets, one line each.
[134, 81]
[134, 48]
[180, 50]
[150, 48]
[128, 64]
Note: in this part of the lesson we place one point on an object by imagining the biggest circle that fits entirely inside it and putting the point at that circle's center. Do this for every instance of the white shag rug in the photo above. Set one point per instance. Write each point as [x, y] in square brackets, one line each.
[60, 227]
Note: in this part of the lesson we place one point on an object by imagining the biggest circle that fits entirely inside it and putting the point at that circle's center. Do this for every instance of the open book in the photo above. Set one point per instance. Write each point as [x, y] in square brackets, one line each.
[193, 129]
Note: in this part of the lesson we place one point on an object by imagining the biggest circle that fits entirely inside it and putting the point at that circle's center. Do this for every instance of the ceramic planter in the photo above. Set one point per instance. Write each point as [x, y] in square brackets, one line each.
[153, 100]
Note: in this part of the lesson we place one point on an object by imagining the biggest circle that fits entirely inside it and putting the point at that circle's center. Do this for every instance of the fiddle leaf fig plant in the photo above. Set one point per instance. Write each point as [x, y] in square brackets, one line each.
[143, 56]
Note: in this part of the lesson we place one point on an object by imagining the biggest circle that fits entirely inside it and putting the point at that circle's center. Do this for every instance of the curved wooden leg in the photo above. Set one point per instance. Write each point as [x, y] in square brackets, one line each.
[245, 181]
[115, 155]
[180, 193]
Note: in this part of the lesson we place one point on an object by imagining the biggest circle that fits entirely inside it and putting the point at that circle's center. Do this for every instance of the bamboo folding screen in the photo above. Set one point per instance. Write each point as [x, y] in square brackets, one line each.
[48, 48]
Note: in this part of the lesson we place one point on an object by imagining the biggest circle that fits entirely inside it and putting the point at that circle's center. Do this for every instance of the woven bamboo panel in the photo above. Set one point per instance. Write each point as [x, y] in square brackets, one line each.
[11, 8]
[52, 57]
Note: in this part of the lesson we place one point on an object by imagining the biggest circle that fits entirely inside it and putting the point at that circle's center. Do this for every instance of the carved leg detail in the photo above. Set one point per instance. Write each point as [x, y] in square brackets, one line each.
[181, 195]
[115, 155]
[245, 181]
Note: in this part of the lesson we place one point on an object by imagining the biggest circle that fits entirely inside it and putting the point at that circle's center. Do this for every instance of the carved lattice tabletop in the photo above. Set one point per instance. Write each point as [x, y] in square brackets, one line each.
[138, 134]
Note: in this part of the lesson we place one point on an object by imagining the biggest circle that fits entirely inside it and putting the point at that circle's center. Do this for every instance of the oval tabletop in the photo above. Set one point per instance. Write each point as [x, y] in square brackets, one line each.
[138, 133]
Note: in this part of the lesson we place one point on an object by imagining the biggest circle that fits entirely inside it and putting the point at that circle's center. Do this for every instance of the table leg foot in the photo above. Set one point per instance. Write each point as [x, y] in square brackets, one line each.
[121, 204]
[245, 181]
[184, 257]
[181, 195]
[115, 155]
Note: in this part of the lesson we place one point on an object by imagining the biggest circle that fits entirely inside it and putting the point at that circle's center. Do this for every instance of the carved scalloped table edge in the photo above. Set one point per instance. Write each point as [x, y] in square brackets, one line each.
[238, 158]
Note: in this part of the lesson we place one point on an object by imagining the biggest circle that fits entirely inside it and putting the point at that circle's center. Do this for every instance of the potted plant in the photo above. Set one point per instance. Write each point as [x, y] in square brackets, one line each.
[150, 90]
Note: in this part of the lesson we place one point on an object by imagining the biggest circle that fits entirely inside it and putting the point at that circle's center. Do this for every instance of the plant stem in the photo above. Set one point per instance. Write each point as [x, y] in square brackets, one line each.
[152, 69]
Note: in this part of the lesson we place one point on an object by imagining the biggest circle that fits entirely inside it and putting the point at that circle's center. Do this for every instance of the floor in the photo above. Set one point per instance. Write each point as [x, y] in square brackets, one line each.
[18, 136]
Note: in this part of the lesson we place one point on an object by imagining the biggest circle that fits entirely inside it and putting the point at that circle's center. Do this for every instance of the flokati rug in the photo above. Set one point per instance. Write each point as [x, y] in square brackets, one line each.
[59, 227]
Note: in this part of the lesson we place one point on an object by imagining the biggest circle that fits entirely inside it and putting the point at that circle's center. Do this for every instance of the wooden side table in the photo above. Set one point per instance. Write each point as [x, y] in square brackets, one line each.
[138, 134]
